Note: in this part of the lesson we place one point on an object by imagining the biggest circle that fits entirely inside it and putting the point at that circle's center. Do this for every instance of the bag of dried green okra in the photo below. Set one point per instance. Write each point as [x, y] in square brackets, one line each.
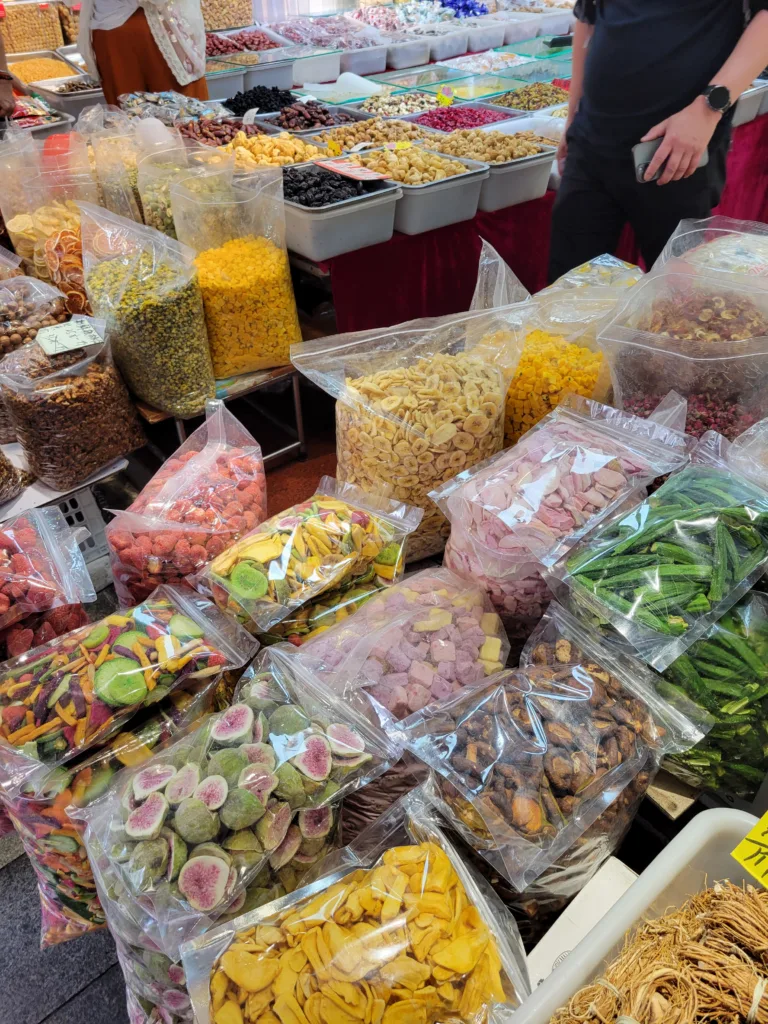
[726, 672]
[665, 572]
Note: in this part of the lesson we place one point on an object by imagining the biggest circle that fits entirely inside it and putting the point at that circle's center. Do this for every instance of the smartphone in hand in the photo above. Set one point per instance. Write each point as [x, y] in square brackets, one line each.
[643, 152]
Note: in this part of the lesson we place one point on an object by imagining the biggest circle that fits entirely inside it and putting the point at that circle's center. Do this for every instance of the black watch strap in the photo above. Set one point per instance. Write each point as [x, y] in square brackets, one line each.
[6, 76]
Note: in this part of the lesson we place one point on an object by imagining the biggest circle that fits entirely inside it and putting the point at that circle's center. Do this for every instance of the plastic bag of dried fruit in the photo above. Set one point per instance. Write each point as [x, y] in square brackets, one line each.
[287, 750]
[40, 627]
[61, 699]
[10, 264]
[574, 468]
[42, 566]
[524, 764]
[416, 403]
[307, 550]
[437, 945]
[496, 284]
[12, 480]
[51, 837]
[429, 636]
[26, 305]
[718, 243]
[210, 492]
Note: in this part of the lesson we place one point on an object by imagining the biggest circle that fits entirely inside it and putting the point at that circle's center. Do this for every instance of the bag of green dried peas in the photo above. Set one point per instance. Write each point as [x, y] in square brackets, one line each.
[665, 572]
[145, 286]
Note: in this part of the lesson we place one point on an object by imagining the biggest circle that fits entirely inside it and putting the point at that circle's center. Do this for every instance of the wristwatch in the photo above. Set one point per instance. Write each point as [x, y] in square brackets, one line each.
[6, 76]
[718, 97]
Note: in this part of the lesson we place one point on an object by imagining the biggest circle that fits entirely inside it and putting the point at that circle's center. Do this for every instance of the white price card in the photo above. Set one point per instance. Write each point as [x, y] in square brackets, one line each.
[66, 337]
[249, 116]
[349, 170]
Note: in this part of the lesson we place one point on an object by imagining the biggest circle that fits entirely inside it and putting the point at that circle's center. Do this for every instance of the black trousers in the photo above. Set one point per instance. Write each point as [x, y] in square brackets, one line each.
[598, 195]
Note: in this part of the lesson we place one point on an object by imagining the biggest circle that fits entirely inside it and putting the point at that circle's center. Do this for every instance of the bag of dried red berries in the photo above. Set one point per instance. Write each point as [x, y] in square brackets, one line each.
[209, 493]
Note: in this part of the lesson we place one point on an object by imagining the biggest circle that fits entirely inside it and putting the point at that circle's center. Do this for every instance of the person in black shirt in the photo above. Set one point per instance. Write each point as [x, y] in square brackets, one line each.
[642, 70]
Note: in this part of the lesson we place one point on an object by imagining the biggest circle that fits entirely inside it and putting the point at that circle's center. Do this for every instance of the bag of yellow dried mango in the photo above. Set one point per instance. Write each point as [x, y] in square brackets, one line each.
[347, 946]
[237, 230]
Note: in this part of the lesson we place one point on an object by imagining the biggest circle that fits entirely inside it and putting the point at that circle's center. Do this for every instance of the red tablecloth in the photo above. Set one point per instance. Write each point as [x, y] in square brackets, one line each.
[433, 274]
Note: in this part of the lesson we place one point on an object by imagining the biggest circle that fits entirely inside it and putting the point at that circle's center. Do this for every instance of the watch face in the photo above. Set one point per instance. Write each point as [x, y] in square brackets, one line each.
[719, 97]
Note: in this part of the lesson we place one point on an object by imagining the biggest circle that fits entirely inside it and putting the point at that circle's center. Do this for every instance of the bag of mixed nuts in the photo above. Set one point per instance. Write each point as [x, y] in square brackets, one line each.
[416, 403]
[441, 936]
[525, 763]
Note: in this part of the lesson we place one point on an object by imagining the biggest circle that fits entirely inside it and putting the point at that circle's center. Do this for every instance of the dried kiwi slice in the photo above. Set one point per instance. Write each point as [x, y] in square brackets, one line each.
[182, 626]
[96, 636]
[120, 683]
[248, 582]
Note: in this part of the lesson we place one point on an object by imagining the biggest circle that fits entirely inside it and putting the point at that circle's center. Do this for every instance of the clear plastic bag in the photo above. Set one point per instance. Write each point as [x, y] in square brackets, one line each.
[51, 838]
[387, 433]
[523, 764]
[145, 285]
[720, 244]
[155, 986]
[208, 494]
[569, 472]
[115, 158]
[308, 549]
[664, 572]
[62, 699]
[64, 262]
[726, 673]
[496, 284]
[517, 590]
[417, 642]
[235, 784]
[70, 412]
[237, 229]
[42, 566]
[169, 106]
[38, 628]
[604, 271]
[10, 264]
[355, 948]
[159, 170]
[706, 336]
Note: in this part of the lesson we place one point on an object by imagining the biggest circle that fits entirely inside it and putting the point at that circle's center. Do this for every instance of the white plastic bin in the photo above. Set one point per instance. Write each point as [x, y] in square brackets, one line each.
[698, 856]
[515, 28]
[450, 44]
[763, 99]
[324, 232]
[555, 23]
[222, 85]
[408, 53]
[313, 64]
[69, 102]
[368, 61]
[516, 181]
[749, 103]
[72, 55]
[439, 203]
[484, 37]
[44, 130]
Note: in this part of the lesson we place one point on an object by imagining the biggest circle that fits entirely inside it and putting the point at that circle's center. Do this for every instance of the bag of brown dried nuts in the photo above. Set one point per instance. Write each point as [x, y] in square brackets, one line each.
[26, 305]
[525, 764]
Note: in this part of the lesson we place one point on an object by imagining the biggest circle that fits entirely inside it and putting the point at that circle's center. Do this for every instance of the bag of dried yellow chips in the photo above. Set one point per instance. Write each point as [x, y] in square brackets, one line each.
[397, 930]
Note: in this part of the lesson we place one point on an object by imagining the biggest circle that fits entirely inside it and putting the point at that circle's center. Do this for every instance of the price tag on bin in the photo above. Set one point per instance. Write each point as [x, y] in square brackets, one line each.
[444, 96]
[350, 170]
[752, 851]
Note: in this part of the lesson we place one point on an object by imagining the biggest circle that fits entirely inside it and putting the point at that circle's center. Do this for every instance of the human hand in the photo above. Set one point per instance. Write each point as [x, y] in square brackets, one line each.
[562, 153]
[686, 136]
[7, 101]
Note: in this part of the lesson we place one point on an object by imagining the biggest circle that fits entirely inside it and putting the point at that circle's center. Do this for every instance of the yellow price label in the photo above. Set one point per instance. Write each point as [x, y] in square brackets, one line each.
[403, 145]
[445, 96]
[752, 851]
[334, 148]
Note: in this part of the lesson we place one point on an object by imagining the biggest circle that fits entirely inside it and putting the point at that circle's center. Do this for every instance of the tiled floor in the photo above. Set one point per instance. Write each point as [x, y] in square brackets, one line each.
[80, 982]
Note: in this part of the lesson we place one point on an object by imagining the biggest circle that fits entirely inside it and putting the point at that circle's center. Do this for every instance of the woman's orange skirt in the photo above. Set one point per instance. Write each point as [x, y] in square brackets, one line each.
[129, 60]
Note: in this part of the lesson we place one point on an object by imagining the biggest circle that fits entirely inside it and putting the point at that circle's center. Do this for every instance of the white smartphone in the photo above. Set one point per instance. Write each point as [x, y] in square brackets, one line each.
[643, 152]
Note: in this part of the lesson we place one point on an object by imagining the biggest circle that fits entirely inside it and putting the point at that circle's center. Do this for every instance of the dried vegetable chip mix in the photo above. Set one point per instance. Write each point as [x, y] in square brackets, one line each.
[61, 699]
[52, 840]
[189, 830]
[413, 409]
[395, 930]
[209, 493]
[307, 550]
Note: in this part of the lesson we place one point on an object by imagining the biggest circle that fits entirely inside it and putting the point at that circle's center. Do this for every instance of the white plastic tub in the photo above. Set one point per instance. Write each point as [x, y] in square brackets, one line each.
[763, 100]
[72, 55]
[222, 85]
[697, 857]
[314, 64]
[555, 23]
[368, 61]
[408, 53]
[451, 44]
[439, 203]
[324, 232]
[70, 103]
[516, 181]
[749, 103]
[515, 28]
[484, 37]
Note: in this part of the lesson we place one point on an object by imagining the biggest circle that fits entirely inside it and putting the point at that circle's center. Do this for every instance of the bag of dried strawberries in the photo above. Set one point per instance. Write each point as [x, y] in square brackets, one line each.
[209, 493]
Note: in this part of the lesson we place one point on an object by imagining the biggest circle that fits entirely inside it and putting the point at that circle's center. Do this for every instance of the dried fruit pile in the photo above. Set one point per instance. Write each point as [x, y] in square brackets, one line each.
[64, 259]
[194, 506]
[60, 699]
[38, 629]
[298, 116]
[222, 802]
[425, 639]
[297, 555]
